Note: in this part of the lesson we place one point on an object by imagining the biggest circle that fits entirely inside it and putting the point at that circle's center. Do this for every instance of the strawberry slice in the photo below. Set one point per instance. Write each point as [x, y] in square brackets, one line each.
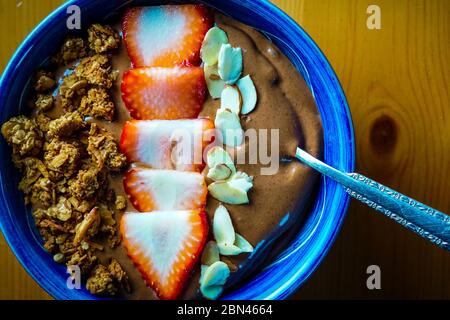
[164, 93]
[151, 190]
[167, 144]
[165, 246]
[165, 36]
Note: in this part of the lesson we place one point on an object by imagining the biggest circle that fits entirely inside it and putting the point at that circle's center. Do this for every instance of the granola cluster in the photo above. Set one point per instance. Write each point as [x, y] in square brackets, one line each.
[66, 161]
[105, 280]
[85, 87]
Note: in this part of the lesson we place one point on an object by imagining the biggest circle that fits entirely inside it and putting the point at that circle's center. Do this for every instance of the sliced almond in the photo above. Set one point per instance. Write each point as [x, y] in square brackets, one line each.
[229, 250]
[212, 43]
[223, 227]
[230, 63]
[243, 244]
[248, 94]
[241, 181]
[218, 155]
[210, 254]
[233, 190]
[213, 279]
[231, 99]
[213, 81]
[230, 127]
[222, 191]
[93, 217]
[221, 166]
[219, 172]
[229, 243]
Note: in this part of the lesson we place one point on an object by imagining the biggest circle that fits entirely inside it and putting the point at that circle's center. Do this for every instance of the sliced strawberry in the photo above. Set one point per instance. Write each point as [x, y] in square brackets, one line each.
[164, 93]
[165, 246]
[165, 36]
[167, 144]
[151, 189]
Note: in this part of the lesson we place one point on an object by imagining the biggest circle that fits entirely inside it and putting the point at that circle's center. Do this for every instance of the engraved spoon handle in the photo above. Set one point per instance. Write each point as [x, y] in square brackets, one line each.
[425, 221]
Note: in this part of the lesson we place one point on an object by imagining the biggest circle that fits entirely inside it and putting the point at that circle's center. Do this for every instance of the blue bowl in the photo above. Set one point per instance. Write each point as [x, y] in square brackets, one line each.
[301, 257]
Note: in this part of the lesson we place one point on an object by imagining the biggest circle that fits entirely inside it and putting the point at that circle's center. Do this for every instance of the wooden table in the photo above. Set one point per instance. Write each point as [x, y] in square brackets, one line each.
[397, 82]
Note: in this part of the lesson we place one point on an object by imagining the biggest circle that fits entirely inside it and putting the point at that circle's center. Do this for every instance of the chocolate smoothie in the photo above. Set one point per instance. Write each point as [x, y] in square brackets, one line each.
[284, 103]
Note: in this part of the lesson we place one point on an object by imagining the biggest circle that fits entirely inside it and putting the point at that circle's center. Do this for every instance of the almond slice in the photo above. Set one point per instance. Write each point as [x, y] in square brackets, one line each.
[210, 254]
[213, 81]
[230, 127]
[229, 243]
[212, 43]
[243, 244]
[213, 279]
[230, 63]
[219, 172]
[248, 94]
[221, 166]
[223, 227]
[231, 99]
[218, 155]
[222, 191]
[233, 190]
[229, 250]
[241, 181]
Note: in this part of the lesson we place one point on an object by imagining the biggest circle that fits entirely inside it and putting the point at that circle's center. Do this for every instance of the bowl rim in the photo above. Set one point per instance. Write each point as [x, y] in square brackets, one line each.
[283, 291]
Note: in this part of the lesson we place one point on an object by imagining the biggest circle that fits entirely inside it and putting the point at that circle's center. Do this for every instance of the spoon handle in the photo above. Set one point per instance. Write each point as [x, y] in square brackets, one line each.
[425, 221]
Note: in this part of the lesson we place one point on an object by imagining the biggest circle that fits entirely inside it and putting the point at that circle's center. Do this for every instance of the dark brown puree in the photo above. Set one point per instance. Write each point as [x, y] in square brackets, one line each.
[284, 103]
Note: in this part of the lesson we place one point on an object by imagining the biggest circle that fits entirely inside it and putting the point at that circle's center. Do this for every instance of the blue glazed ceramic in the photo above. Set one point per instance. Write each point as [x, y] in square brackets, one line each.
[301, 257]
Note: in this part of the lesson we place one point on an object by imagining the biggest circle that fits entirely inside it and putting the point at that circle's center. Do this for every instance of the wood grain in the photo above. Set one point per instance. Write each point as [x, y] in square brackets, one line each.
[397, 82]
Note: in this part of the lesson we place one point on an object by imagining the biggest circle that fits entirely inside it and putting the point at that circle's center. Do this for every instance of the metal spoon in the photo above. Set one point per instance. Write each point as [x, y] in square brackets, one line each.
[427, 222]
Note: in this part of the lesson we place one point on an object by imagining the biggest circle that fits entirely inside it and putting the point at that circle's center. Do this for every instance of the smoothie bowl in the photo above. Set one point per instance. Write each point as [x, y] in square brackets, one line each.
[131, 152]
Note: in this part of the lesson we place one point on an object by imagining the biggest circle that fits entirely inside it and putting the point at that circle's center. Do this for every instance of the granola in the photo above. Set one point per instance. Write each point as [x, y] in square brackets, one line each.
[71, 50]
[86, 183]
[66, 161]
[101, 282]
[96, 70]
[97, 103]
[102, 38]
[65, 125]
[23, 135]
[62, 158]
[71, 91]
[44, 81]
[44, 102]
[103, 148]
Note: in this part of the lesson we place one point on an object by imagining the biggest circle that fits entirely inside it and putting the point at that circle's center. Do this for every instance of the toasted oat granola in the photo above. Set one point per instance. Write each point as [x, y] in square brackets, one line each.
[65, 125]
[102, 38]
[44, 81]
[103, 148]
[44, 102]
[97, 103]
[96, 70]
[71, 50]
[23, 135]
[101, 282]
[66, 161]
[71, 91]
[62, 157]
